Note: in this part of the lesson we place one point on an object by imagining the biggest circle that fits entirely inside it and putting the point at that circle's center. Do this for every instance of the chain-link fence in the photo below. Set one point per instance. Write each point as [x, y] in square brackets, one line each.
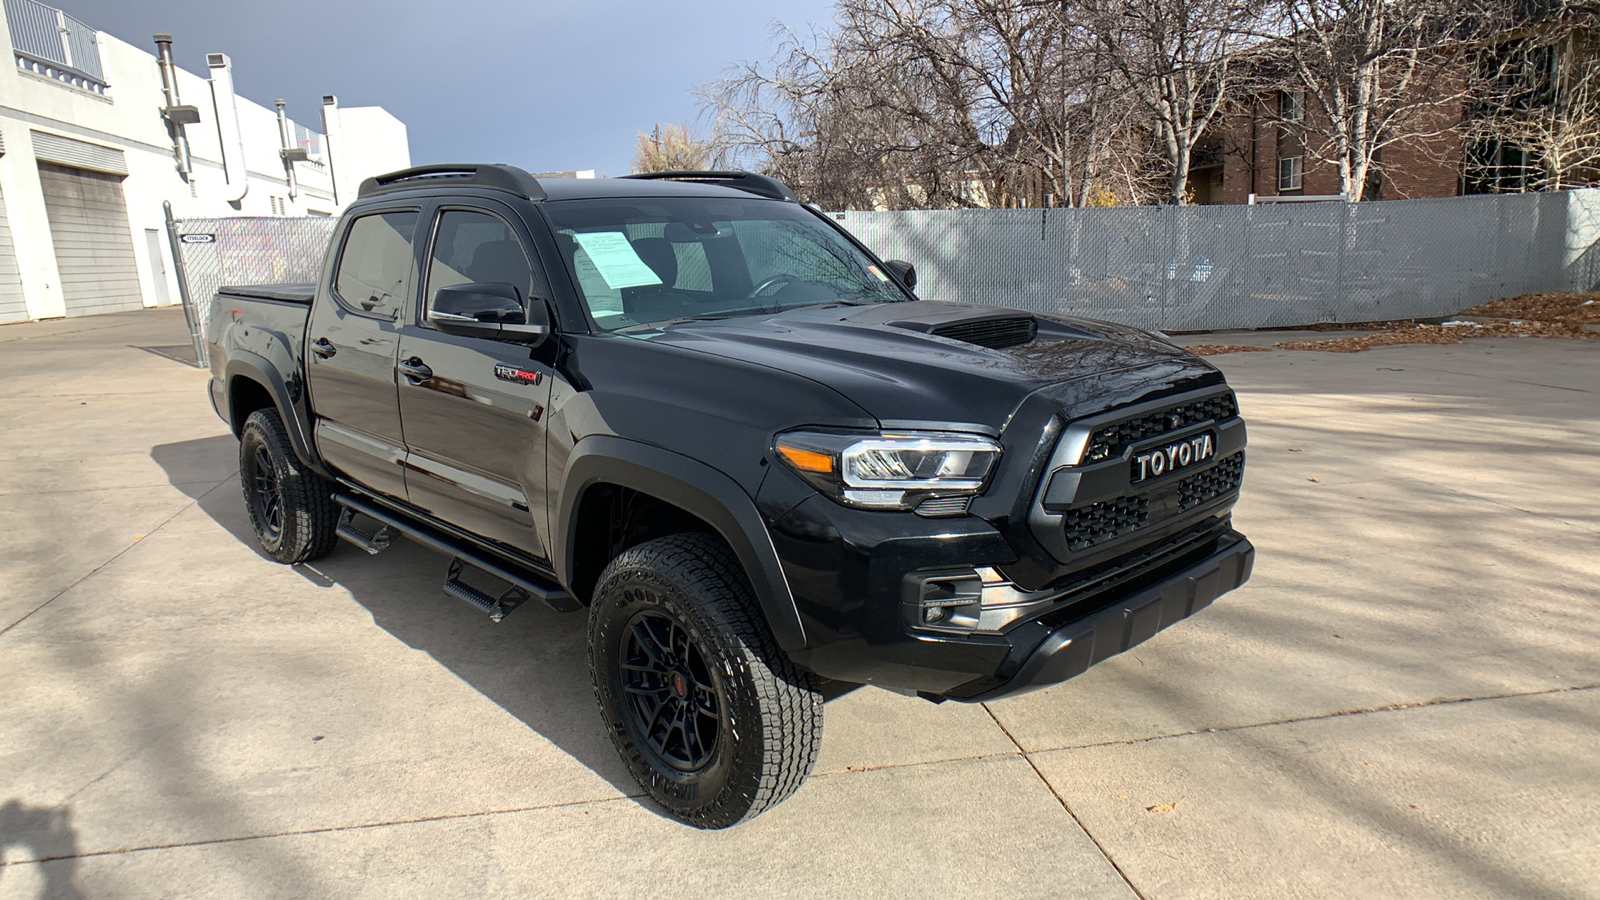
[244, 250]
[1215, 267]
[1174, 268]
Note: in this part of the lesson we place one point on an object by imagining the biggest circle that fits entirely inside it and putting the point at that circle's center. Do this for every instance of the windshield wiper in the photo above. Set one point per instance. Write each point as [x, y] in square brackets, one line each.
[657, 326]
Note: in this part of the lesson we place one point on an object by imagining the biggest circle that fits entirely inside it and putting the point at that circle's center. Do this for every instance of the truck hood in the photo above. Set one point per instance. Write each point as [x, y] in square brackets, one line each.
[885, 359]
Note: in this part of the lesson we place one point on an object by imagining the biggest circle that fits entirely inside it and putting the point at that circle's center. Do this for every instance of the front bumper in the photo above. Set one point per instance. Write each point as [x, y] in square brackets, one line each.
[1068, 648]
[861, 580]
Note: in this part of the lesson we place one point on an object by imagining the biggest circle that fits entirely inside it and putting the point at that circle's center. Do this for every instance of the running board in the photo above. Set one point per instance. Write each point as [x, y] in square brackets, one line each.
[527, 583]
[497, 607]
[374, 543]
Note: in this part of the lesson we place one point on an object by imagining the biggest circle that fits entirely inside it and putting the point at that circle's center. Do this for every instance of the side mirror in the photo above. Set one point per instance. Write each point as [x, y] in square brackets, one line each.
[905, 272]
[488, 310]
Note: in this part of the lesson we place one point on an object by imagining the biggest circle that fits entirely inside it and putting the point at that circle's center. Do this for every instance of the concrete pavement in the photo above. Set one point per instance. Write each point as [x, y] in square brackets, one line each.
[1404, 702]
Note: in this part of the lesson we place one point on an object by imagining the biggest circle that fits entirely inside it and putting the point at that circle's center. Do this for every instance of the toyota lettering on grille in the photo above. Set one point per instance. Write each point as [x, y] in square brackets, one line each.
[1175, 456]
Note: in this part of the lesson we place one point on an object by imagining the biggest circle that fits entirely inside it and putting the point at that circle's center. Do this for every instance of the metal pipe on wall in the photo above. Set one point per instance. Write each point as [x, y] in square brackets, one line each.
[228, 136]
[288, 145]
[169, 87]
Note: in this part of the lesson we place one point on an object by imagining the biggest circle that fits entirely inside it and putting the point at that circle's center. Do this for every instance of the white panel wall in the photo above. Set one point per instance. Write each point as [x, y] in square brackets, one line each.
[127, 119]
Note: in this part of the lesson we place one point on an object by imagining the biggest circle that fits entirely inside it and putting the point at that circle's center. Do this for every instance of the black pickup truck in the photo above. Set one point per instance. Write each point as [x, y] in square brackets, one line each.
[710, 416]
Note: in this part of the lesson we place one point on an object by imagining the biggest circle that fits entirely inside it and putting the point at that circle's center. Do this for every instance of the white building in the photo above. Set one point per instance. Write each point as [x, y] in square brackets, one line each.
[92, 143]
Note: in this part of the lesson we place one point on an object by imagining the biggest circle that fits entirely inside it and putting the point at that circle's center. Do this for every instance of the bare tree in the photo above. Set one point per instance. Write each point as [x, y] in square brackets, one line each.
[1375, 74]
[1534, 121]
[1178, 59]
[670, 148]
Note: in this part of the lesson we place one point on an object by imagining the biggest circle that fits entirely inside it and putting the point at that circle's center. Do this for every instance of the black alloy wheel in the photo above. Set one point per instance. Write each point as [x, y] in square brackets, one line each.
[672, 697]
[266, 493]
[291, 507]
[710, 716]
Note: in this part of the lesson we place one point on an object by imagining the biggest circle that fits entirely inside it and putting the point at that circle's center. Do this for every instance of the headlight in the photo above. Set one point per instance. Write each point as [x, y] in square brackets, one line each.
[901, 470]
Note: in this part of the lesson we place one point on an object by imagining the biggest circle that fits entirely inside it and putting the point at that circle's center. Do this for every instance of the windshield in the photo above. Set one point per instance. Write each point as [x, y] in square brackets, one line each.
[644, 262]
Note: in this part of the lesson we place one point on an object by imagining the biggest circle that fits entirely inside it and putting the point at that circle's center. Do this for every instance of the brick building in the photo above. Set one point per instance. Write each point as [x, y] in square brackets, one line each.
[1261, 148]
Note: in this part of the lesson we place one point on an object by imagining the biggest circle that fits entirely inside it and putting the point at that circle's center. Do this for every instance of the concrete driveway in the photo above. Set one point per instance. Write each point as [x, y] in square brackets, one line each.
[1405, 701]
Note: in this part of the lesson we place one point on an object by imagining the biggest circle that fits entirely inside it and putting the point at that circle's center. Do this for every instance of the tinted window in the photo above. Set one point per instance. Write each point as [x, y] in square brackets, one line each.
[640, 262]
[376, 264]
[477, 248]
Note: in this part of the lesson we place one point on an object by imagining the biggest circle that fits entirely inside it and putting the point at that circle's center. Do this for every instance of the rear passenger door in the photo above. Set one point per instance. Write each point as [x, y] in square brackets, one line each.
[473, 409]
[352, 338]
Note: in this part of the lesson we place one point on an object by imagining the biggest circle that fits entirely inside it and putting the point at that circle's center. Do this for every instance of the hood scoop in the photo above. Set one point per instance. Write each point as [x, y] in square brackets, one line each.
[996, 333]
[985, 326]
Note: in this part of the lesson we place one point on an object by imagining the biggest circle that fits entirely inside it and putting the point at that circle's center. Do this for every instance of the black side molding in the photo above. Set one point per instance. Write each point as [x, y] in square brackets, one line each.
[744, 181]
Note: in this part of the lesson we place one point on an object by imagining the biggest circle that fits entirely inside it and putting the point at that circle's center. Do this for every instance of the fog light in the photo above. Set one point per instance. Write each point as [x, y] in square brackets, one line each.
[948, 599]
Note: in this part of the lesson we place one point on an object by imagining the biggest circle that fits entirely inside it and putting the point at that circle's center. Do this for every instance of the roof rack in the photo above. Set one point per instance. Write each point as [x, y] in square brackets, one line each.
[498, 177]
[744, 181]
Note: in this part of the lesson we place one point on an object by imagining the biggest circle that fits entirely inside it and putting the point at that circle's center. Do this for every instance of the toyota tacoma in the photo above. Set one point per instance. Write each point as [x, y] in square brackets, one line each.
[700, 410]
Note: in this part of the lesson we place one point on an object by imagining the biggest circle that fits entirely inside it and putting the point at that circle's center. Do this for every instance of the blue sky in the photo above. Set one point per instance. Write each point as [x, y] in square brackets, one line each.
[547, 86]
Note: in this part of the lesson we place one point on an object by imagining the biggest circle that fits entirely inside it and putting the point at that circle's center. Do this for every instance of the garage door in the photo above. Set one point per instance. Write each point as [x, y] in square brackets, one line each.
[94, 251]
[12, 309]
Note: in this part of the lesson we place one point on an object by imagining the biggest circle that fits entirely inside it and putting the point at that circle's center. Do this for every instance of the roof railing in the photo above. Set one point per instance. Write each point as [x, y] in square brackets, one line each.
[495, 177]
[745, 181]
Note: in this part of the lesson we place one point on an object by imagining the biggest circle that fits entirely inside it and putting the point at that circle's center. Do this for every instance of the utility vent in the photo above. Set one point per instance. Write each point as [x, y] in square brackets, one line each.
[996, 334]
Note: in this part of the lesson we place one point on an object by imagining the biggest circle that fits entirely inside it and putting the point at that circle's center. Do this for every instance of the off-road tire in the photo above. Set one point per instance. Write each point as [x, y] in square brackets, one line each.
[308, 519]
[770, 712]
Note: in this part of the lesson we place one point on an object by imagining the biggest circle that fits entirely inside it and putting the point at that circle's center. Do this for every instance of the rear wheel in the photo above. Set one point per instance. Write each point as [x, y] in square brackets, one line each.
[291, 508]
[710, 716]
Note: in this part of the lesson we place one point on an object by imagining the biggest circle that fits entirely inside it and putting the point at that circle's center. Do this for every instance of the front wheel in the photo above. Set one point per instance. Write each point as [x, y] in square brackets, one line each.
[710, 716]
[290, 507]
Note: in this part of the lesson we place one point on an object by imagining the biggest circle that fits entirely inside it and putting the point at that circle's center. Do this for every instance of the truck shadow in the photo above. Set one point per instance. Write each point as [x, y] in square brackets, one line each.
[534, 664]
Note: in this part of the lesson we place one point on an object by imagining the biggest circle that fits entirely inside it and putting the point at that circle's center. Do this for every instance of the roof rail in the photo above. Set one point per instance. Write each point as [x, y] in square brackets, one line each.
[498, 177]
[744, 181]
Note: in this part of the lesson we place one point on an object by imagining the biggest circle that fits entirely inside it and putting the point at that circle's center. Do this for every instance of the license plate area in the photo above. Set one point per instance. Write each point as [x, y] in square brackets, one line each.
[1167, 458]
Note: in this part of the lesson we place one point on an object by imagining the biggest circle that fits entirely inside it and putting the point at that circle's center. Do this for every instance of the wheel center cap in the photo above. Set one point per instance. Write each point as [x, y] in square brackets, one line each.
[680, 685]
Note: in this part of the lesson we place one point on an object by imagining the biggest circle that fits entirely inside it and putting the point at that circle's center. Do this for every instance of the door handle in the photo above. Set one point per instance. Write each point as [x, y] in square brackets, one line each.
[323, 347]
[414, 370]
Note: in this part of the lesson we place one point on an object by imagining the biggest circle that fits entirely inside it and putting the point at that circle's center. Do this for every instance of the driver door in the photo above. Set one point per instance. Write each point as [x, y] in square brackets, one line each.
[472, 409]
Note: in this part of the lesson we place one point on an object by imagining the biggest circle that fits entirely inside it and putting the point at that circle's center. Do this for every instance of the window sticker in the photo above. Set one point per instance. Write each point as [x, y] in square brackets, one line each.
[877, 274]
[604, 300]
[619, 265]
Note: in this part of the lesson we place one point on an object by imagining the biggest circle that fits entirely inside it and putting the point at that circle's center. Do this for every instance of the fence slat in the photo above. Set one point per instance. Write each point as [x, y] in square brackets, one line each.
[1170, 268]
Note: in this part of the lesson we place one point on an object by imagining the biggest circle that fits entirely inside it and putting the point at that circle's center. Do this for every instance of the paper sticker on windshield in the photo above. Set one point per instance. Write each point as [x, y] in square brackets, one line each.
[616, 260]
[879, 275]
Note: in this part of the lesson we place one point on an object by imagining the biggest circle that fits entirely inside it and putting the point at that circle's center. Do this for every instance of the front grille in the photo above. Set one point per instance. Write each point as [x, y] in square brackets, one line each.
[1105, 520]
[1221, 478]
[1112, 440]
[996, 334]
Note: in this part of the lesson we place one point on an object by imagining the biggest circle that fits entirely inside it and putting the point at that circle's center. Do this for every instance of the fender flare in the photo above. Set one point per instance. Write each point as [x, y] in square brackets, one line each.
[694, 487]
[252, 367]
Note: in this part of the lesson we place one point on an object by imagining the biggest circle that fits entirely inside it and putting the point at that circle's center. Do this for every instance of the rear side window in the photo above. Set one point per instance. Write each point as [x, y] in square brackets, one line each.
[477, 248]
[375, 267]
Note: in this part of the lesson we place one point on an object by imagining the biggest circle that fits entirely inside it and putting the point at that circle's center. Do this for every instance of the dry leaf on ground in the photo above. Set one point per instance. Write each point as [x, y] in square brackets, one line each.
[1554, 307]
[1219, 349]
[1443, 334]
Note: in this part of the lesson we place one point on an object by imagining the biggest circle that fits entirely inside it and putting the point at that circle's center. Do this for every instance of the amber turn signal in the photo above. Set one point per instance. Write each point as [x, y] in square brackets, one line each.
[807, 460]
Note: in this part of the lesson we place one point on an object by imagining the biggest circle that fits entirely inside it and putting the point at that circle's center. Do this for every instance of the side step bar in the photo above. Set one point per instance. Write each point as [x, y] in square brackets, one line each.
[525, 584]
[497, 607]
[374, 543]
